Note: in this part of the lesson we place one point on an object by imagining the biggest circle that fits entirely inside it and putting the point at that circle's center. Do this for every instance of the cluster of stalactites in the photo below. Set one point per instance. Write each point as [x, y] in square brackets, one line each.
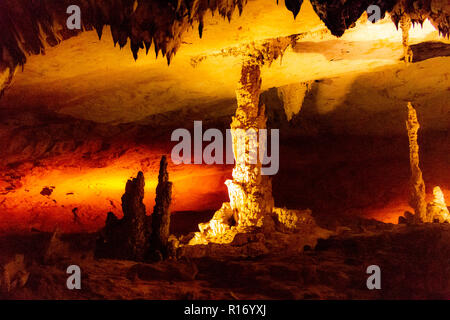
[339, 15]
[28, 26]
[437, 12]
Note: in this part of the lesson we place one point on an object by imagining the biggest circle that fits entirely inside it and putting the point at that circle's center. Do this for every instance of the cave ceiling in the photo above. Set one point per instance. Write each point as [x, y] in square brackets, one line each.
[78, 74]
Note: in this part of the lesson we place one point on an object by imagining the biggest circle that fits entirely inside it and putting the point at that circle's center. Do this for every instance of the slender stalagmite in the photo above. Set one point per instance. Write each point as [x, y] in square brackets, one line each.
[161, 211]
[417, 200]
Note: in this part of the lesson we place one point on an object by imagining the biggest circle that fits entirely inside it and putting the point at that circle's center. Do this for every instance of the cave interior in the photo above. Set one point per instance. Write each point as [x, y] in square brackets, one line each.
[360, 101]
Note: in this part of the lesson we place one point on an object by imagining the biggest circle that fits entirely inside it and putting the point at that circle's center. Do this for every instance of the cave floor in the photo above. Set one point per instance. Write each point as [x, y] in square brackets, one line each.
[414, 262]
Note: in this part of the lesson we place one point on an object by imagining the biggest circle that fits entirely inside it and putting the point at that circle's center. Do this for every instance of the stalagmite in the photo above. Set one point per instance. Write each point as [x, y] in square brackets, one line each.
[437, 209]
[127, 238]
[250, 192]
[135, 217]
[161, 212]
[417, 200]
[251, 202]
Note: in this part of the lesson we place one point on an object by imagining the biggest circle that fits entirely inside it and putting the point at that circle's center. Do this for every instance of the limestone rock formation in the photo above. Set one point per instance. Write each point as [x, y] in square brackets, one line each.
[29, 26]
[135, 217]
[250, 192]
[405, 25]
[437, 209]
[161, 212]
[220, 229]
[417, 200]
[292, 220]
[436, 11]
[339, 15]
[127, 238]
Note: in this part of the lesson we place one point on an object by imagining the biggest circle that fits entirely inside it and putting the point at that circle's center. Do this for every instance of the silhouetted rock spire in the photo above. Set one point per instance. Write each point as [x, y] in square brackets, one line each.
[127, 238]
[161, 212]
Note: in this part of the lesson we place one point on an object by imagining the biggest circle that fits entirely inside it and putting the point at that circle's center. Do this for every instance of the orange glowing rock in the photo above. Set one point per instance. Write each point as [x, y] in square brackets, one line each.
[292, 220]
[220, 229]
[437, 209]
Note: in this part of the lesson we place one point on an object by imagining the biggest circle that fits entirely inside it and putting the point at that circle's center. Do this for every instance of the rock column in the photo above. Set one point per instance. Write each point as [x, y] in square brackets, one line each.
[161, 212]
[134, 216]
[405, 25]
[250, 192]
[127, 238]
[417, 200]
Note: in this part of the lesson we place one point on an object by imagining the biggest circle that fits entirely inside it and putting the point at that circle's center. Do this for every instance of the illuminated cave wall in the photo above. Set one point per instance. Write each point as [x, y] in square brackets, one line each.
[82, 119]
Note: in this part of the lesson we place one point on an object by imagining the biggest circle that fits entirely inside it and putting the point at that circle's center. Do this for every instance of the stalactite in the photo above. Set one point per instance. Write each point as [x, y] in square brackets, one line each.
[417, 200]
[405, 25]
[161, 213]
[339, 15]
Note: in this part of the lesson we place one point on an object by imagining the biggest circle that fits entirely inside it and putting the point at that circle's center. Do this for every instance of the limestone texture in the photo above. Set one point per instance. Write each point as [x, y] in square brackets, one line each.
[417, 200]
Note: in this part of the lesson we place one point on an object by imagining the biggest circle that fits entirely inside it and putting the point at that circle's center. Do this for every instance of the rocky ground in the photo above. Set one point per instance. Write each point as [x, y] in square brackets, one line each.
[414, 262]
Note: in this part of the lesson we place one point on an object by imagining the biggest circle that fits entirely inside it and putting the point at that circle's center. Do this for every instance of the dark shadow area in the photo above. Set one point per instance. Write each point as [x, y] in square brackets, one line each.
[430, 49]
[329, 165]
[184, 222]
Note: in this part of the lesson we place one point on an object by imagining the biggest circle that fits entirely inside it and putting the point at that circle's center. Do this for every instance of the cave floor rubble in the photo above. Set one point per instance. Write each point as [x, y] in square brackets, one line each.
[324, 264]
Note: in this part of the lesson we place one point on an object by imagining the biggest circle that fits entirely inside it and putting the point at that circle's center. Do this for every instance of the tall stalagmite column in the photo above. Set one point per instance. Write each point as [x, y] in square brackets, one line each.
[134, 216]
[417, 200]
[161, 211]
[250, 192]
